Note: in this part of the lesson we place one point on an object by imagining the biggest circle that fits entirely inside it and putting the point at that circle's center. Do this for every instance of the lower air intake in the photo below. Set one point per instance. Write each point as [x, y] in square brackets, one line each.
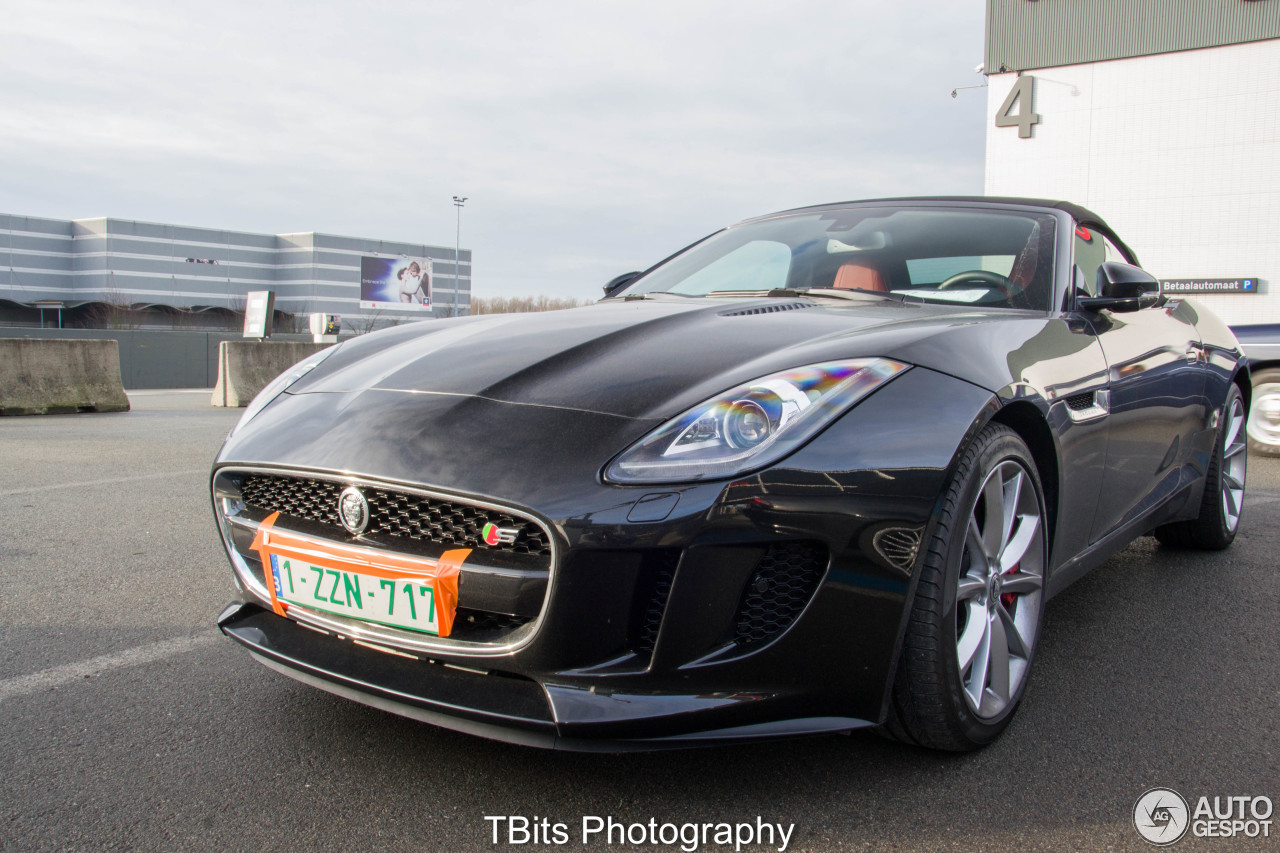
[654, 588]
[782, 584]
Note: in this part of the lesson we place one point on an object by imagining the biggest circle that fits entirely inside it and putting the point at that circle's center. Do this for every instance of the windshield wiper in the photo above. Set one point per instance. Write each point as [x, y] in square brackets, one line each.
[739, 294]
[849, 293]
[822, 292]
[831, 292]
[654, 294]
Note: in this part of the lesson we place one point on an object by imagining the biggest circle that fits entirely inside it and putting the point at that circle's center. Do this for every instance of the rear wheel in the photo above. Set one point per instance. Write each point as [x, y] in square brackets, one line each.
[976, 616]
[1264, 414]
[1215, 528]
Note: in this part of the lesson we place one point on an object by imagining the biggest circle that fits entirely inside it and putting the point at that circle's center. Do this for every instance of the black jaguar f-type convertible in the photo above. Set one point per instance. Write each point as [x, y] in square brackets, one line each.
[819, 471]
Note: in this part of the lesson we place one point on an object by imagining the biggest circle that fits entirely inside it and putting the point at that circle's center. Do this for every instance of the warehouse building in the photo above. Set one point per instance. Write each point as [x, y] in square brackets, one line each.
[95, 273]
[1163, 116]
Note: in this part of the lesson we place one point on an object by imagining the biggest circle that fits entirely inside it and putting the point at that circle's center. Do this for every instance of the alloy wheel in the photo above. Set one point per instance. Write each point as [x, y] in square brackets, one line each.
[999, 589]
[1234, 460]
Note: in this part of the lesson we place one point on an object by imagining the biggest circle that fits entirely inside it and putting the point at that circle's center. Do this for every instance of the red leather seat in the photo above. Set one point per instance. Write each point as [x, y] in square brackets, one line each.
[853, 276]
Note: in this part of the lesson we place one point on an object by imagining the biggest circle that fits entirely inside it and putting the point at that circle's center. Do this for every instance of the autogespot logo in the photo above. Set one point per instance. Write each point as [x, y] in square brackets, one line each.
[1160, 816]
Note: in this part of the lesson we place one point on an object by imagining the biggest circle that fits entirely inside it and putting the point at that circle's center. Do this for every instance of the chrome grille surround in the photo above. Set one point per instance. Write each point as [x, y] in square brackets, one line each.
[224, 491]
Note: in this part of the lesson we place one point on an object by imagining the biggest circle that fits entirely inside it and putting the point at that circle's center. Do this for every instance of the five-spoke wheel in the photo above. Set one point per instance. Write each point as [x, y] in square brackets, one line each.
[975, 618]
[1234, 459]
[999, 589]
[980, 588]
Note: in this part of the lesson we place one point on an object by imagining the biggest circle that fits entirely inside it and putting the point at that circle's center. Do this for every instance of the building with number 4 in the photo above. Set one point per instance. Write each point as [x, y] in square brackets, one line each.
[1163, 116]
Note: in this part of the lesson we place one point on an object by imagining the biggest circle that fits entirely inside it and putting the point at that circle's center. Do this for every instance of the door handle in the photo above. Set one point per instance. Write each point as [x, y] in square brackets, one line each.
[1194, 352]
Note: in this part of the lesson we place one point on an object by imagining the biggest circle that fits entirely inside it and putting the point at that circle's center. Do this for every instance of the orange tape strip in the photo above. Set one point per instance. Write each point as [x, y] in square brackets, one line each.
[442, 574]
[259, 545]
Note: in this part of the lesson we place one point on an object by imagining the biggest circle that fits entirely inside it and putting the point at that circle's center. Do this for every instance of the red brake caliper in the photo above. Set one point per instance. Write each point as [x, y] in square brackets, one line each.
[1006, 598]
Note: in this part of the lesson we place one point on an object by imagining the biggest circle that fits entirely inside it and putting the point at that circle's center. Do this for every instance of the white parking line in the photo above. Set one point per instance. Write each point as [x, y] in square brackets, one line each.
[20, 685]
[107, 482]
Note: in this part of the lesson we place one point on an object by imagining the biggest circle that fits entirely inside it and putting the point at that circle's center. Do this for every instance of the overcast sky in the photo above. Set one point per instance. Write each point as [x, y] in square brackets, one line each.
[592, 138]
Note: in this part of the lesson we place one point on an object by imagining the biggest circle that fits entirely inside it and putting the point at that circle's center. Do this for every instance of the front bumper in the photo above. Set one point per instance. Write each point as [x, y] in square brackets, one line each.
[649, 634]
[494, 705]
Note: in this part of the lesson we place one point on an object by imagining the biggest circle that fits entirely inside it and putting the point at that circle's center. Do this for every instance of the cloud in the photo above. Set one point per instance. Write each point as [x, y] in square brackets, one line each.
[591, 137]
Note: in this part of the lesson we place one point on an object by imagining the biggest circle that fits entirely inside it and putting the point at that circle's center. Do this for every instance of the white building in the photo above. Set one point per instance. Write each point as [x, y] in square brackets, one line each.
[1161, 116]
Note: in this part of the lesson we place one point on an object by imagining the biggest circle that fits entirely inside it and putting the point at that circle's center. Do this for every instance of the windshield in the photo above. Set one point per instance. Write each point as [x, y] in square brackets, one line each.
[981, 257]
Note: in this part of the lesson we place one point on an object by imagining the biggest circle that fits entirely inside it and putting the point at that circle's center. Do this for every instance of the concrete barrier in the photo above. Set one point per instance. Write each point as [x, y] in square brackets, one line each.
[48, 377]
[245, 367]
[156, 358]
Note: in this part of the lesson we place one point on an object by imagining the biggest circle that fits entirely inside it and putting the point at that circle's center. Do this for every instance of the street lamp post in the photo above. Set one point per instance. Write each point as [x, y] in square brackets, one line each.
[458, 202]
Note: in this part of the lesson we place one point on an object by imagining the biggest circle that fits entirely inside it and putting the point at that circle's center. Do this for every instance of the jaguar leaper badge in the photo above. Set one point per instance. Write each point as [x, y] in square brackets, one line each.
[495, 535]
[353, 510]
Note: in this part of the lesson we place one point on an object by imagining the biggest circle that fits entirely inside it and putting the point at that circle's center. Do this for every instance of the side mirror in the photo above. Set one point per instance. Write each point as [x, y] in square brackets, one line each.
[620, 282]
[1122, 288]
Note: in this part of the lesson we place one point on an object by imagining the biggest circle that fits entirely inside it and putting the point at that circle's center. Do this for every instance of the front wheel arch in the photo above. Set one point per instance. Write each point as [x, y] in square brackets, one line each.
[927, 704]
[1243, 379]
[1027, 420]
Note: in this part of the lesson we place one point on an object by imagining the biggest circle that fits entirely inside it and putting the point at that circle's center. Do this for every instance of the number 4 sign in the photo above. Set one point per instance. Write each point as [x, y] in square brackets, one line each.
[1022, 94]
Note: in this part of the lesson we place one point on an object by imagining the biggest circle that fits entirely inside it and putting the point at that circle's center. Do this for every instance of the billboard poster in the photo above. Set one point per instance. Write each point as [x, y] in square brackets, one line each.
[398, 284]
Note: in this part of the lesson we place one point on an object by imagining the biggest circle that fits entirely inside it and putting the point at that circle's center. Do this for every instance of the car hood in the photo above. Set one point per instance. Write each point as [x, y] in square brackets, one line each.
[643, 359]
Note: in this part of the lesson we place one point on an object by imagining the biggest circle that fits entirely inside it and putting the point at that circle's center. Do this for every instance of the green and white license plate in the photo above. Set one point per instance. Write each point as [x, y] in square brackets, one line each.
[400, 602]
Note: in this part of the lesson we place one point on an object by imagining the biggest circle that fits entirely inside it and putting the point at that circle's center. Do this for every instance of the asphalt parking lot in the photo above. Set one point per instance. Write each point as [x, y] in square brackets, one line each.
[130, 724]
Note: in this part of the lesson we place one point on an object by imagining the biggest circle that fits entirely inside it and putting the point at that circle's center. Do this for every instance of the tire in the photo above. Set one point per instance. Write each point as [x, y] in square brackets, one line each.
[980, 587]
[1264, 414]
[1224, 486]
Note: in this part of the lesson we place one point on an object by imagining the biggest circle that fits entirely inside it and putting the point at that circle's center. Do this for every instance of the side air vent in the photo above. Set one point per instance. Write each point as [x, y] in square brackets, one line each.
[1080, 402]
[898, 545]
[768, 309]
[1088, 406]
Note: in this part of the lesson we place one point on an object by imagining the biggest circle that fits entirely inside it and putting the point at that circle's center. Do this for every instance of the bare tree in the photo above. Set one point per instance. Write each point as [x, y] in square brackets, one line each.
[114, 311]
[523, 304]
[363, 324]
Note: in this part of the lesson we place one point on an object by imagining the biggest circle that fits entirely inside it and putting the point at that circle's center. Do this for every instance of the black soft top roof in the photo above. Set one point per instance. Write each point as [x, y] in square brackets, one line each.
[1080, 214]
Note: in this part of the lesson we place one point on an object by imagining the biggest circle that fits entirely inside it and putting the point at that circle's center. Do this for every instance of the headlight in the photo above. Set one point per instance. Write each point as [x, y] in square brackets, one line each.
[751, 426]
[276, 386]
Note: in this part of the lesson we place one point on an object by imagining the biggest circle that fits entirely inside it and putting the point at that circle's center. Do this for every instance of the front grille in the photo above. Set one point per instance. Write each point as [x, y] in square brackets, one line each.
[501, 588]
[782, 584]
[394, 513]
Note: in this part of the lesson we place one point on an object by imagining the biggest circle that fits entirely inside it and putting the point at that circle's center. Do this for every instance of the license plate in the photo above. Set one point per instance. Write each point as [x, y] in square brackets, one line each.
[380, 587]
[404, 602]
